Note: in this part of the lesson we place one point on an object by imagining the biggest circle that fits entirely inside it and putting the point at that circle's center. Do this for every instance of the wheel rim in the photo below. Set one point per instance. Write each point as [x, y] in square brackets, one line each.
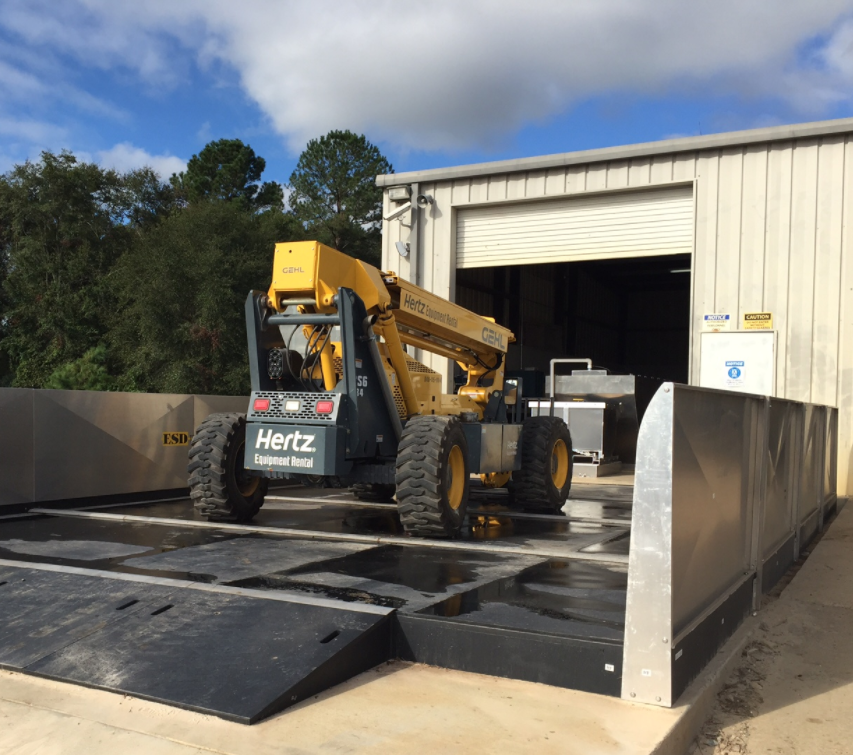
[495, 479]
[456, 477]
[559, 464]
[246, 484]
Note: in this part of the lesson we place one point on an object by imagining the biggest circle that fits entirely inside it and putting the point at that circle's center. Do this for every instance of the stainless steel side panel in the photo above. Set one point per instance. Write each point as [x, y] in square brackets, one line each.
[696, 487]
[90, 443]
[722, 480]
[205, 405]
[830, 466]
[811, 471]
[782, 461]
[714, 475]
[647, 668]
[17, 470]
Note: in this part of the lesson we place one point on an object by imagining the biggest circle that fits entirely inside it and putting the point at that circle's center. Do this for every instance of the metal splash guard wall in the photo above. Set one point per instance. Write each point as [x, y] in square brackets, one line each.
[729, 488]
[60, 445]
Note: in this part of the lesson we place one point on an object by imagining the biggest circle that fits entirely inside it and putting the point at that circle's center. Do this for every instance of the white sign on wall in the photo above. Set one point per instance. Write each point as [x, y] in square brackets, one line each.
[739, 361]
[717, 322]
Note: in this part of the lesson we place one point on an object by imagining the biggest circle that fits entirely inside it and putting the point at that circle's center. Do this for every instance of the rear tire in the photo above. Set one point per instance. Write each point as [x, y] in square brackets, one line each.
[220, 488]
[545, 477]
[432, 476]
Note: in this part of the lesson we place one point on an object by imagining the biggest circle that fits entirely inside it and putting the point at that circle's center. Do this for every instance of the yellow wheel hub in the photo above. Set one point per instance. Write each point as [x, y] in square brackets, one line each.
[559, 464]
[455, 477]
[495, 479]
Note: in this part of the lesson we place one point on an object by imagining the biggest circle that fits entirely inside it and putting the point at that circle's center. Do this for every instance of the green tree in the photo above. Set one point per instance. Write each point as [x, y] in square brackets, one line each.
[228, 170]
[334, 193]
[64, 225]
[88, 373]
[180, 294]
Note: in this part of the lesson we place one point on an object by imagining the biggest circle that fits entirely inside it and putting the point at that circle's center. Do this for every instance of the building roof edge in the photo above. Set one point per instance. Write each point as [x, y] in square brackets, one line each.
[666, 146]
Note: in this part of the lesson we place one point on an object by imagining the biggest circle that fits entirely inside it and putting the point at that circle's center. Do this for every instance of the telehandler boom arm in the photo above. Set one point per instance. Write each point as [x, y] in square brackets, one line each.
[309, 274]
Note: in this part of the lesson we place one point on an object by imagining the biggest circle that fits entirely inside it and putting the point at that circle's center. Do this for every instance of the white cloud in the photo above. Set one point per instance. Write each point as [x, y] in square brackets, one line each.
[449, 74]
[31, 131]
[124, 157]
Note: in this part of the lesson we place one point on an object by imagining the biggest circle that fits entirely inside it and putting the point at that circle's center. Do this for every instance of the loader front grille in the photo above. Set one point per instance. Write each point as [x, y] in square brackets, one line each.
[398, 400]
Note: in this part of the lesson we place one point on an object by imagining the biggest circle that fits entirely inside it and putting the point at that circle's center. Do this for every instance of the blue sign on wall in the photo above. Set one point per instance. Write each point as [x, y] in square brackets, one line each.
[734, 369]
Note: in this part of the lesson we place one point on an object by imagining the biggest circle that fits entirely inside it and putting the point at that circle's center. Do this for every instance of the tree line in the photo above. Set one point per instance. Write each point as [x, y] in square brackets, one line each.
[123, 281]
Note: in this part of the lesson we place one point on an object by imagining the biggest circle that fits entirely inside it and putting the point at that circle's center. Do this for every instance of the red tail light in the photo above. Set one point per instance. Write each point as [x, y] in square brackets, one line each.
[324, 407]
[261, 405]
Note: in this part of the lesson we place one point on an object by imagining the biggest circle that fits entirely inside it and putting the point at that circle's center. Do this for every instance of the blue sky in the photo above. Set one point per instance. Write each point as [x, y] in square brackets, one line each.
[436, 84]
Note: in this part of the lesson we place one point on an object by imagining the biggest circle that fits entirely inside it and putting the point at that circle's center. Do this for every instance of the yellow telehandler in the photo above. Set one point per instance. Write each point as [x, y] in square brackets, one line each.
[336, 395]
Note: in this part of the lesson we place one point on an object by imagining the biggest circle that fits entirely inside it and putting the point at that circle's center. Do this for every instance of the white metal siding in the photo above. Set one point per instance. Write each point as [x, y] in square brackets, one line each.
[772, 233]
[630, 224]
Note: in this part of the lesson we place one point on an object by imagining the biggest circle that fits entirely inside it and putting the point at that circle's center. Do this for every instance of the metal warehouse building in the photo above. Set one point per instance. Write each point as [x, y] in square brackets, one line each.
[618, 254]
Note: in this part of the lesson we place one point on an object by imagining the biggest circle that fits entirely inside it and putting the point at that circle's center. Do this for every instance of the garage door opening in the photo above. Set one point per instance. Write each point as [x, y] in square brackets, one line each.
[628, 315]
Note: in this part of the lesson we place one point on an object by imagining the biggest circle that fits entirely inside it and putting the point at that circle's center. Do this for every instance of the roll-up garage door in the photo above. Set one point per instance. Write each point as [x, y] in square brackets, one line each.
[624, 224]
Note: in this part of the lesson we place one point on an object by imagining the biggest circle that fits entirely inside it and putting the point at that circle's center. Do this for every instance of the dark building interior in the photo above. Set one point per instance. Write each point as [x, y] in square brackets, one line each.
[627, 315]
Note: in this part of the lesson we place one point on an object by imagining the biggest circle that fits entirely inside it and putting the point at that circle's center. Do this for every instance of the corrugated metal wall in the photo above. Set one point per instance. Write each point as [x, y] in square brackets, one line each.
[774, 232]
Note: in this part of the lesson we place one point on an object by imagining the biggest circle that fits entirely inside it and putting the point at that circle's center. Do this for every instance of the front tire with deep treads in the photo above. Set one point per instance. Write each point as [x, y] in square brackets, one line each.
[220, 488]
[545, 477]
[432, 476]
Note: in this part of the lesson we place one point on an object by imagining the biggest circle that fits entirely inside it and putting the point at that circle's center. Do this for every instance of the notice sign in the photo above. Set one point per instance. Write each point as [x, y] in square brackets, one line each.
[716, 323]
[734, 373]
[758, 321]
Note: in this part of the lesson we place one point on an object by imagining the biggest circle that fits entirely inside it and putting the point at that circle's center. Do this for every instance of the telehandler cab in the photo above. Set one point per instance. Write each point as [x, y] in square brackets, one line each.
[334, 394]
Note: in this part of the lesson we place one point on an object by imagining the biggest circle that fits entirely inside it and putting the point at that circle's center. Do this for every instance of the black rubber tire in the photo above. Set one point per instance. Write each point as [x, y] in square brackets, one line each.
[373, 491]
[216, 471]
[423, 476]
[532, 487]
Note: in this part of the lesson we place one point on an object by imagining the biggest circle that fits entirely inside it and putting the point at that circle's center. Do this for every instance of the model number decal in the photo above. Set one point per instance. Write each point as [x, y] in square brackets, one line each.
[493, 338]
[361, 384]
[281, 442]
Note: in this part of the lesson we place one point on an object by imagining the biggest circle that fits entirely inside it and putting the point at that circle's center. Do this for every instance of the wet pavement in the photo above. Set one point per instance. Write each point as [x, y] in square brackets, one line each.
[474, 585]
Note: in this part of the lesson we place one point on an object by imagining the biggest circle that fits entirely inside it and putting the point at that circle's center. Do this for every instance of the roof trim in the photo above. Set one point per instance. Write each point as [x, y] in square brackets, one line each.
[666, 146]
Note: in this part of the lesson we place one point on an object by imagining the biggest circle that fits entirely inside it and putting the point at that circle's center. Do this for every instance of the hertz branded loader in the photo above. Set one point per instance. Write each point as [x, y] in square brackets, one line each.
[334, 394]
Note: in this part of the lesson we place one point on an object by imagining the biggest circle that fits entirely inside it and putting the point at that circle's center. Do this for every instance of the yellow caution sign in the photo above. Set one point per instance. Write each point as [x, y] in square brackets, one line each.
[758, 321]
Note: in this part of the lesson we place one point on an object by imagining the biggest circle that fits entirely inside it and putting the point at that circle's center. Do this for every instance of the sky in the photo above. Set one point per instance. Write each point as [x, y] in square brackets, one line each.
[435, 84]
